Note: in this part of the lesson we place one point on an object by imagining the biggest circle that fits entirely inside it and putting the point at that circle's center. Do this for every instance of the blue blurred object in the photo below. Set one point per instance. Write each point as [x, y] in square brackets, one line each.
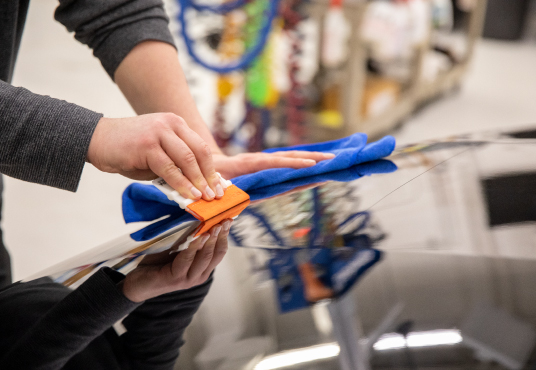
[336, 271]
[249, 56]
[354, 159]
[219, 9]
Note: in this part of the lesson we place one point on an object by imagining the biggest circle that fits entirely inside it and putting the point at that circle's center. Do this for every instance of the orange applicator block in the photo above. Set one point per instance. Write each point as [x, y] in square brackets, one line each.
[210, 213]
[204, 210]
[233, 202]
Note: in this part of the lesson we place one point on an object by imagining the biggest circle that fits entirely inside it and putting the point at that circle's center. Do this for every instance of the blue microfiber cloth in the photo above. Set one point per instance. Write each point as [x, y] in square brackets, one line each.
[349, 151]
[146, 203]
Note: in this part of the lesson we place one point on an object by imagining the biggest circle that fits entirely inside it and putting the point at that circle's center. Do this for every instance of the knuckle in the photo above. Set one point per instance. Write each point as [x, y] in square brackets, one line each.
[197, 247]
[189, 158]
[174, 120]
[221, 251]
[159, 124]
[148, 142]
[180, 121]
[169, 117]
[163, 123]
[169, 168]
[189, 258]
[205, 149]
[207, 255]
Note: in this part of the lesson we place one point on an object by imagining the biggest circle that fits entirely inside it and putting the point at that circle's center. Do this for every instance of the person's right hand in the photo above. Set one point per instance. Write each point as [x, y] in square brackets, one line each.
[156, 145]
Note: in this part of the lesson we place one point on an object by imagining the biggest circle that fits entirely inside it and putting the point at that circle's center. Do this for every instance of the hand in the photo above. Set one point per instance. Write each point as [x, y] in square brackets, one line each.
[242, 164]
[152, 145]
[162, 273]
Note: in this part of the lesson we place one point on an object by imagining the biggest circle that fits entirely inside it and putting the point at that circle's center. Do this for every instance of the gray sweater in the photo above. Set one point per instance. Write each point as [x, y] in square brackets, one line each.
[45, 140]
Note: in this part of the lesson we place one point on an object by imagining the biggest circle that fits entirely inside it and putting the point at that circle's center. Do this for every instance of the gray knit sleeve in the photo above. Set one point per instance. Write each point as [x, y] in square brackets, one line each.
[43, 140]
[112, 28]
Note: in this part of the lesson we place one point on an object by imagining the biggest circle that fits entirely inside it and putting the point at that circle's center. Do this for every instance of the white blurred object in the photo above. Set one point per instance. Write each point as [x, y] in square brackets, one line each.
[336, 35]
[298, 356]
[280, 66]
[429, 338]
[421, 16]
[386, 28]
[496, 335]
[433, 64]
[394, 28]
[174, 195]
[308, 57]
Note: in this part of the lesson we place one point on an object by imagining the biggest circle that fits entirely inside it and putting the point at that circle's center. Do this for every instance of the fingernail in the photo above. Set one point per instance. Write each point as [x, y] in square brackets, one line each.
[329, 155]
[219, 190]
[216, 230]
[309, 162]
[204, 238]
[210, 193]
[196, 193]
[223, 183]
[227, 225]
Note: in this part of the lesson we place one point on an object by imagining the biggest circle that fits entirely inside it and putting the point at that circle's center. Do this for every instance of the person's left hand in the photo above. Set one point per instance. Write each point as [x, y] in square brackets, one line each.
[163, 272]
[246, 163]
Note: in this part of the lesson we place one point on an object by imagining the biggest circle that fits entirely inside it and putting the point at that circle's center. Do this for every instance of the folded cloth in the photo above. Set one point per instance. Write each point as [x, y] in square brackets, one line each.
[348, 152]
[354, 158]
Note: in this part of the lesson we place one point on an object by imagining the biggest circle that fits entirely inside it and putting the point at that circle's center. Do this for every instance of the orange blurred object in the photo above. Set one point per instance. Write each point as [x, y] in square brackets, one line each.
[314, 289]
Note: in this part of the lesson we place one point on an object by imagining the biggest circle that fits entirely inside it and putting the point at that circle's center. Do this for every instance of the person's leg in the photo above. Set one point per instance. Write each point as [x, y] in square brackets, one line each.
[5, 262]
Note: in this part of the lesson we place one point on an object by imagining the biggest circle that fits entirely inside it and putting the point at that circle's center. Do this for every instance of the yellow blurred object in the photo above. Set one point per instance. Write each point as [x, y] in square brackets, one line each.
[331, 98]
[225, 87]
[379, 95]
[330, 115]
[273, 97]
[330, 118]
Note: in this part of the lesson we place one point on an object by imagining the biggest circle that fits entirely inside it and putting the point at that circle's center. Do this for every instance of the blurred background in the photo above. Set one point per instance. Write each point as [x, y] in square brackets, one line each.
[415, 69]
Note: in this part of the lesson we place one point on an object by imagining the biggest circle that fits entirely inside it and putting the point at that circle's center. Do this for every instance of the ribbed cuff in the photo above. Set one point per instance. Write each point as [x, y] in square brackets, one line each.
[121, 41]
[105, 296]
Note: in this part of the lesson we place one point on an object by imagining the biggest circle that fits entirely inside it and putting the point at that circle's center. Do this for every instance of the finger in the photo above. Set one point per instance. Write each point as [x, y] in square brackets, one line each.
[202, 154]
[219, 250]
[182, 263]
[204, 255]
[265, 162]
[315, 156]
[185, 159]
[161, 164]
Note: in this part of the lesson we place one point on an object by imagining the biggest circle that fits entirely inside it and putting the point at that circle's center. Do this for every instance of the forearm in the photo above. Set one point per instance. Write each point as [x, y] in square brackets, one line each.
[69, 326]
[152, 80]
[165, 317]
[43, 140]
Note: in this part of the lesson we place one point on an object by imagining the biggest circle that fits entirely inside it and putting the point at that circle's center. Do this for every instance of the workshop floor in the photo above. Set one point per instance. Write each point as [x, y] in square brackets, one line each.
[44, 226]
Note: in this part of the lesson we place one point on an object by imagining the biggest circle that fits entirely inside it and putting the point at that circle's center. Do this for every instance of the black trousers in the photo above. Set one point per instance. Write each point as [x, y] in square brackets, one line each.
[5, 262]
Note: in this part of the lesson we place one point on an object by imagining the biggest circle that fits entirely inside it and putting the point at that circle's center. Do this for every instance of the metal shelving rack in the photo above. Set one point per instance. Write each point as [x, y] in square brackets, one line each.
[420, 92]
